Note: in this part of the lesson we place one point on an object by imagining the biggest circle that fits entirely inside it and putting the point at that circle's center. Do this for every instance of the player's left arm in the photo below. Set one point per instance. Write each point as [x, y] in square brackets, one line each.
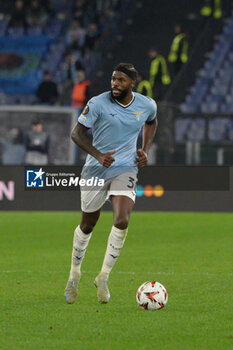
[149, 131]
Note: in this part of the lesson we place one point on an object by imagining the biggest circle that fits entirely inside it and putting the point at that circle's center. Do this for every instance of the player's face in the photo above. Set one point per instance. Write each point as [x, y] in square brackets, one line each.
[121, 85]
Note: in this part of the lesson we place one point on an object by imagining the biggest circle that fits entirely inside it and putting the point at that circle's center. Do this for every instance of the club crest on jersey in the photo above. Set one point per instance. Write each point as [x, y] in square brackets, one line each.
[138, 114]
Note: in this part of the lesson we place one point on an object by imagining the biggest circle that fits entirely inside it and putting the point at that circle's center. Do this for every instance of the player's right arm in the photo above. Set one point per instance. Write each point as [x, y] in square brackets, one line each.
[79, 137]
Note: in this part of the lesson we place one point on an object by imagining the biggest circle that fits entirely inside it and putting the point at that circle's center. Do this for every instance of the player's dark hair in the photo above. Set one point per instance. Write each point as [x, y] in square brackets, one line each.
[128, 69]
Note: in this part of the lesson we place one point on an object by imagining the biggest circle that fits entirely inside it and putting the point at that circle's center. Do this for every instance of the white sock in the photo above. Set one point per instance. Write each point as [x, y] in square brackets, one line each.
[116, 241]
[80, 244]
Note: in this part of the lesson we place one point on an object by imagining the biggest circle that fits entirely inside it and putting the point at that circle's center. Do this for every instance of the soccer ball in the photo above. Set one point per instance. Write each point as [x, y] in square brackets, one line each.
[152, 296]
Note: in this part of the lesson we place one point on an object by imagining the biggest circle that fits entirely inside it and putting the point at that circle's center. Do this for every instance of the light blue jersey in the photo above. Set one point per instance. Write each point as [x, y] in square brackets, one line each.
[115, 127]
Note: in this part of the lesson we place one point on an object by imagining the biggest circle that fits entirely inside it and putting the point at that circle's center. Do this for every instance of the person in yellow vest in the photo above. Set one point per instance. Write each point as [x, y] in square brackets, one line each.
[159, 74]
[178, 54]
[212, 7]
[144, 86]
[81, 90]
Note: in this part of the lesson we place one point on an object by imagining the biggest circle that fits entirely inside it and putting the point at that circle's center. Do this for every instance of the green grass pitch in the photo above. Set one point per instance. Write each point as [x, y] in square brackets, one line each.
[189, 253]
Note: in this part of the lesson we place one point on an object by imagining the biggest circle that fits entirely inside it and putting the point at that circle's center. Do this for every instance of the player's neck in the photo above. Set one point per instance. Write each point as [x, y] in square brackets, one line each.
[127, 100]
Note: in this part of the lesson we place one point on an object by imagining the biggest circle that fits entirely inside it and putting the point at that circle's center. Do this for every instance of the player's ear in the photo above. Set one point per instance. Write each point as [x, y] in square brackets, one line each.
[133, 84]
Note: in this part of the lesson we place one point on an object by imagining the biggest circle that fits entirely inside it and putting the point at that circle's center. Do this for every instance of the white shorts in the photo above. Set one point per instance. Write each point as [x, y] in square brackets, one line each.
[93, 199]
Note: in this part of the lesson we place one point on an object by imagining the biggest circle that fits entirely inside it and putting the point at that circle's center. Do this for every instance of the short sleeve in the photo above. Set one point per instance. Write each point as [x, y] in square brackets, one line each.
[89, 114]
[153, 110]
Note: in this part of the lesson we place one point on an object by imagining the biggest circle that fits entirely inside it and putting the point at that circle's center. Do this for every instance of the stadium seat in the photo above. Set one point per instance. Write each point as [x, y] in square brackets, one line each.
[16, 32]
[189, 108]
[226, 107]
[229, 98]
[209, 107]
[196, 130]
[3, 26]
[214, 81]
[34, 31]
[218, 129]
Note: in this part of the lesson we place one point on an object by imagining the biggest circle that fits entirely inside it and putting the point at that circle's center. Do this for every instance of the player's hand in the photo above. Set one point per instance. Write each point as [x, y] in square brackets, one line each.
[142, 158]
[106, 159]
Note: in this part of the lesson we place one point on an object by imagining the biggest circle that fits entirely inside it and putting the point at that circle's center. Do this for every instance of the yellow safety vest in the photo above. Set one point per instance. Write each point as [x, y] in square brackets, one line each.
[145, 84]
[206, 10]
[154, 69]
[173, 55]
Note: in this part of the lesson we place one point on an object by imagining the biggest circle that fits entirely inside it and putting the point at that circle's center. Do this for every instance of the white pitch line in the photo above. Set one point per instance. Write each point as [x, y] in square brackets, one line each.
[124, 272]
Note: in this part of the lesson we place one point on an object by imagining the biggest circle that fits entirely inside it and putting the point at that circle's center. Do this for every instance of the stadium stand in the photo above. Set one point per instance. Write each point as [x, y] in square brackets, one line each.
[196, 109]
[43, 41]
[213, 89]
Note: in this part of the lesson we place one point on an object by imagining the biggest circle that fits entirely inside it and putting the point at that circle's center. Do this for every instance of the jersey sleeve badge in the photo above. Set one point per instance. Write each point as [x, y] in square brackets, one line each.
[86, 110]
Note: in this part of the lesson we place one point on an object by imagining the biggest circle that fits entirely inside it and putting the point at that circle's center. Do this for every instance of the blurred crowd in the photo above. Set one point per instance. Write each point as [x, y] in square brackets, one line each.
[82, 25]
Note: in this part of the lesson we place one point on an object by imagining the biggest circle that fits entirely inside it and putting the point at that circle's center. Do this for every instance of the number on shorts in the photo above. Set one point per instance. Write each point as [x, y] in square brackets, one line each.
[131, 181]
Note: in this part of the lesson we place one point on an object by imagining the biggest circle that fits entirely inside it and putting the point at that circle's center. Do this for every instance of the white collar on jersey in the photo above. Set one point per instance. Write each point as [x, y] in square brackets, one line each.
[128, 103]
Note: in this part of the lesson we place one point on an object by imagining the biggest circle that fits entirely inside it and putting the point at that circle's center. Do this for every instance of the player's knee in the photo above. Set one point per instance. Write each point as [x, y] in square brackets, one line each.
[121, 222]
[87, 227]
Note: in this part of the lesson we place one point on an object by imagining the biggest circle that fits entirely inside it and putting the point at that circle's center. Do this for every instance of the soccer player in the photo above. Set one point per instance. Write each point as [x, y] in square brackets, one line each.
[116, 118]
